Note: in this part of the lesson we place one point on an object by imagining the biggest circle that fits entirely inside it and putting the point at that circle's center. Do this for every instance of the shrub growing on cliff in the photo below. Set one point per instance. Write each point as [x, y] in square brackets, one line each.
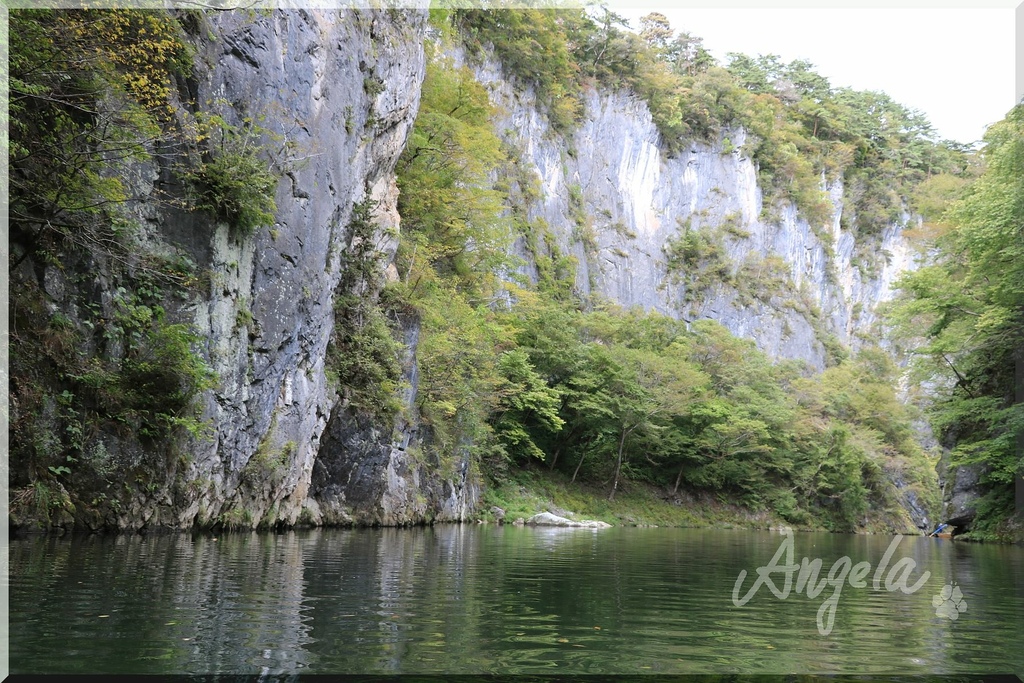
[532, 44]
[91, 94]
[151, 387]
[363, 357]
[232, 181]
[801, 128]
[136, 389]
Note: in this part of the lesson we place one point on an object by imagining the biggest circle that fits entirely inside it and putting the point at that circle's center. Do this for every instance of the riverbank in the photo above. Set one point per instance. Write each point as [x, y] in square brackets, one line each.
[530, 491]
[1010, 530]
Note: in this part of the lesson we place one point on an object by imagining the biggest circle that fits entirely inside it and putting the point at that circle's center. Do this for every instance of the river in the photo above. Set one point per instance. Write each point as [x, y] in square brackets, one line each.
[507, 600]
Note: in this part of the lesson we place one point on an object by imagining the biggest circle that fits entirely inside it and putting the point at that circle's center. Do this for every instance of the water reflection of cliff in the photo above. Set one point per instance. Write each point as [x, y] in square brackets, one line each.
[157, 604]
[467, 599]
[392, 600]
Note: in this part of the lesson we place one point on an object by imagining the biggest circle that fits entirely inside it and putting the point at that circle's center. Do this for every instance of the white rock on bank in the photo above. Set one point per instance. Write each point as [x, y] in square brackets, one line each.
[548, 519]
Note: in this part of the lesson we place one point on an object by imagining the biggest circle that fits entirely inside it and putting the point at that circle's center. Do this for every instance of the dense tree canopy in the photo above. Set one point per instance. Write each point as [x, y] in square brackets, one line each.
[967, 309]
[533, 376]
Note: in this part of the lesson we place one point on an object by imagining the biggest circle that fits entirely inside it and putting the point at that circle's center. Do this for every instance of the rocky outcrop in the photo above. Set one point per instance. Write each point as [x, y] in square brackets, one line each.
[363, 475]
[342, 89]
[615, 200]
[961, 488]
[548, 519]
[336, 93]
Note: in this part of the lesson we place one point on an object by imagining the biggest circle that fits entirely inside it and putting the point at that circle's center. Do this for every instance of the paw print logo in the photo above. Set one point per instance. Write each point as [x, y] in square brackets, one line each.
[949, 602]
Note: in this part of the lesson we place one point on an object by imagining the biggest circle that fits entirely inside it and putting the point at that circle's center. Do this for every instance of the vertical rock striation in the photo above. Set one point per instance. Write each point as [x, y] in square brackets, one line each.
[338, 92]
[615, 200]
[341, 89]
[331, 96]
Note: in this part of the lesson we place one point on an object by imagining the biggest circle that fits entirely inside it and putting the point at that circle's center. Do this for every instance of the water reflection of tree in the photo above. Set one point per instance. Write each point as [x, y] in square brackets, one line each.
[506, 600]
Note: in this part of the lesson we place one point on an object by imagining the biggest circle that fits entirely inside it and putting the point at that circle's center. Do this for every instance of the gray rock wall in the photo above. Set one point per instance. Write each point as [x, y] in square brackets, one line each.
[336, 94]
[302, 75]
[342, 91]
[637, 200]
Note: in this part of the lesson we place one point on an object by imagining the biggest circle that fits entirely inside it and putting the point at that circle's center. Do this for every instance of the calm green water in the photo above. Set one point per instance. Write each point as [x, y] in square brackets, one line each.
[469, 599]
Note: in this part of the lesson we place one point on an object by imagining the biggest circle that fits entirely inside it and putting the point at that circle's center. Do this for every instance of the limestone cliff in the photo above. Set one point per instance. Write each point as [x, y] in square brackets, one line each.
[616, 200]
[342, 89]
[336, 93]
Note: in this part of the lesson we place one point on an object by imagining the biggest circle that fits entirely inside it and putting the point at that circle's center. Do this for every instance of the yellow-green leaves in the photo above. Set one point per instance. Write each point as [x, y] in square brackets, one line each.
[89, 92]
[93, 92]
[969, 309]
[231, 179]
[534, 46]
[452, 219]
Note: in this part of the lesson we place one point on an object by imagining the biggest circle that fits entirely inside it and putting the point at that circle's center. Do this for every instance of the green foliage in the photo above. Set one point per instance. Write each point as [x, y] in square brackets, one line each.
[235, 519]
[455, 241]
[119, 373]
[364, 355]
[556, 271]
[90, 94]
[970, 307]
[93, 95]
[530, 490]
[270, 462]
[452, 222]
[44, 502]
[610, 398]
[232, 181]
[525, 399]
[933, 196]
[461, 379]
[696, 258]
[643, 398]
[152, 387]
[762, 278]
[799, 127]
[618, 396]
[533, 45]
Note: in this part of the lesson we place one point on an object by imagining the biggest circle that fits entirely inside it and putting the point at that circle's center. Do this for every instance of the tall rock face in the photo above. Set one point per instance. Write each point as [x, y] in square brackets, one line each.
[614, 199]
[342, 90]
[336, 94]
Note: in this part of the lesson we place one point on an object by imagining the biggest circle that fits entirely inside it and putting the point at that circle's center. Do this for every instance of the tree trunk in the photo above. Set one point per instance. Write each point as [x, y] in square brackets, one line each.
[679, 478]
[564, 440]
[578, 465]
[618, 465]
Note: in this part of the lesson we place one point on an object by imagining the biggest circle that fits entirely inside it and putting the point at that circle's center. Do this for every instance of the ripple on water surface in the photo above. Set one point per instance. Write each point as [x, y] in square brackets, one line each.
[465, 599]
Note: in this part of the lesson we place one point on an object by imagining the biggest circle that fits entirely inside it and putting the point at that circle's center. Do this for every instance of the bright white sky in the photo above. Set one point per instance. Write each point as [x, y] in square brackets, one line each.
[954, 64]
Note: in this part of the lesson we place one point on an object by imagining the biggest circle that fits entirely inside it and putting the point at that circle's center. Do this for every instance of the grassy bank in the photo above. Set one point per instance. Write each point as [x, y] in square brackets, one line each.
[530, 491]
